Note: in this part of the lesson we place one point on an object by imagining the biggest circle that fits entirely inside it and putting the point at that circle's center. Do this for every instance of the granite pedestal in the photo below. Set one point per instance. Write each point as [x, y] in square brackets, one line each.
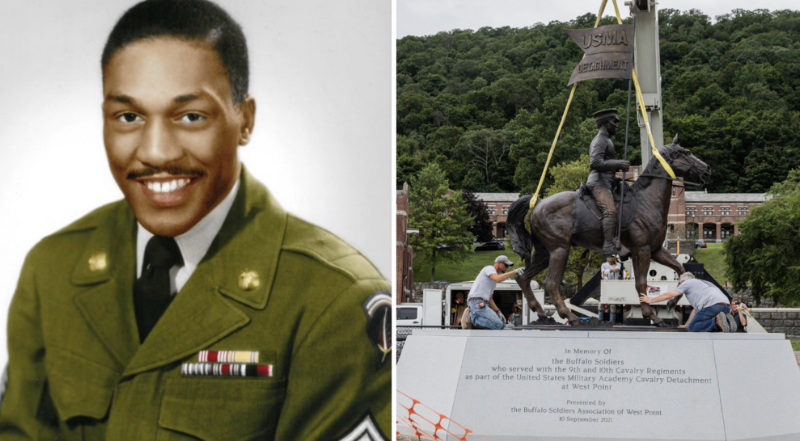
[588, 385]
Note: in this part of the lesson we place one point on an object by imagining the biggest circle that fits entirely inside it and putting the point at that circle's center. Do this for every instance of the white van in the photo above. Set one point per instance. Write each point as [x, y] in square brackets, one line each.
[427, 313]
[408, 314]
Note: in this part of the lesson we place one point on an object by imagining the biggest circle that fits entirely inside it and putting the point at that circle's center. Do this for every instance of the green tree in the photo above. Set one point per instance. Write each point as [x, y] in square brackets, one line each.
[486, 150]
[567, 177]
[730, 89]
[766, 253]
[481, 227]
[473, 181]
[791, 184]
[441, 217]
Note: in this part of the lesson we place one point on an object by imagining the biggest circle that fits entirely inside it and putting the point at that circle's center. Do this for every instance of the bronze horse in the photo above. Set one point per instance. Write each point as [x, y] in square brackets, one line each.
[553, 221]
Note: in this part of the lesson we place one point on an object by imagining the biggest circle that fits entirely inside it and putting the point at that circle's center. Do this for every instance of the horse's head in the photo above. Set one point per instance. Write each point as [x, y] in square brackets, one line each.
[684, 163]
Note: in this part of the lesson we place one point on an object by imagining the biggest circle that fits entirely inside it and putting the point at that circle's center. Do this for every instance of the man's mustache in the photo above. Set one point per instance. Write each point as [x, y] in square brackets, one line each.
[150, 171]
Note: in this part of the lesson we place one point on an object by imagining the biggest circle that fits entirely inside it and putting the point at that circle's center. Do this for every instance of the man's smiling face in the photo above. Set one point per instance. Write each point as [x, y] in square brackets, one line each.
[171, 130]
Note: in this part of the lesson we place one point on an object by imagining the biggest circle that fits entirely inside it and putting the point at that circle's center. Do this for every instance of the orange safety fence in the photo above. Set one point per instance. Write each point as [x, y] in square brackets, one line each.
[426, 423]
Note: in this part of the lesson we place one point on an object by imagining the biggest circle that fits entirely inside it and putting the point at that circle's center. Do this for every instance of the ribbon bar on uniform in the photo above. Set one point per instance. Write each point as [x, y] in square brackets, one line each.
[227, 357]
[226, 370]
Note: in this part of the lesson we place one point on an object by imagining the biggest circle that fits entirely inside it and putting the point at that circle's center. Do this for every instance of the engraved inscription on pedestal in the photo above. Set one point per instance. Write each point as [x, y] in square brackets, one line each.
[575, 385]
[589, 384]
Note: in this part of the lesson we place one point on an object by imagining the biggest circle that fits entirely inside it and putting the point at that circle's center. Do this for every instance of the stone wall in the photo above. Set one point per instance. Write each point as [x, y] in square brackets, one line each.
[779, 320]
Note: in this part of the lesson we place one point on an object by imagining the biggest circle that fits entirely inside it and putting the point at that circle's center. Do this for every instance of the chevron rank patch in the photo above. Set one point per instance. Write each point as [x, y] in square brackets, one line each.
[378, 308]
[366, 430]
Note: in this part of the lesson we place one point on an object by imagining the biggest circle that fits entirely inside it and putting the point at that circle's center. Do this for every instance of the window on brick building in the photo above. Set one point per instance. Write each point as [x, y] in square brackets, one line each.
[505, 209]
[742, 211]
[708, 211]
[690, 211]
[725, 211]
[492, 209]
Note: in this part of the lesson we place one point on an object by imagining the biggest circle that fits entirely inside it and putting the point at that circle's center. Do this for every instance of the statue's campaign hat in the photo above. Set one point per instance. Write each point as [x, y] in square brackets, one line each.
[603, 115]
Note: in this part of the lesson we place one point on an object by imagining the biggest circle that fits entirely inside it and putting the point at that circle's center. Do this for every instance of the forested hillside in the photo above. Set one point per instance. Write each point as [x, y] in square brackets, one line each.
[485, 104]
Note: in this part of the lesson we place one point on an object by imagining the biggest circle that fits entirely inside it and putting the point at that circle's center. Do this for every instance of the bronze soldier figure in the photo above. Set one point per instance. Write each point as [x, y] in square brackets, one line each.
[603, 166]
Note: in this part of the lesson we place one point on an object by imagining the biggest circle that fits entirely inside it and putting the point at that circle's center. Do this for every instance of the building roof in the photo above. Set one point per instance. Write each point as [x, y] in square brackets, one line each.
[497, 197]
[699, 197]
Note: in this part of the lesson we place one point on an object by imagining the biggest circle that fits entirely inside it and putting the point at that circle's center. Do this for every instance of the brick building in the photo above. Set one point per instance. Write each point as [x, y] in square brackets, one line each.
[692, 214]
[713, 216]
[404, 275]
[498, 204]
[710, 217]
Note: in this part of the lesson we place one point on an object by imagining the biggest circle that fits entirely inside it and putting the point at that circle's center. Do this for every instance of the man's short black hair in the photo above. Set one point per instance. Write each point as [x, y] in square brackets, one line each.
[188, 19]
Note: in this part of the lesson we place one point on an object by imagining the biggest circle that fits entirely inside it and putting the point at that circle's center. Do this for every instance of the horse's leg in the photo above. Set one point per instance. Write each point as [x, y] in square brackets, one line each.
[663, 257]
[539, 262]
[641, 264]
[552, 283]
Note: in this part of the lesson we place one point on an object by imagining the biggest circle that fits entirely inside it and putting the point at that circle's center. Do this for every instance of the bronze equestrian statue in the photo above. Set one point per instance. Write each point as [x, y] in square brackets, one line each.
[565, 220]
[601, 177]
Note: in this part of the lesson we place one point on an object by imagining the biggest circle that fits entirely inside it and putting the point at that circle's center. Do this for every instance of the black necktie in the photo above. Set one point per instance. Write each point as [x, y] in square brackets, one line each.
[151, 292]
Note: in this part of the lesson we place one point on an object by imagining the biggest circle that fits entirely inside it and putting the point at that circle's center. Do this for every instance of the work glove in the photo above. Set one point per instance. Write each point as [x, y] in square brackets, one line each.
[519, 272]
[620, 165]
[502, 318]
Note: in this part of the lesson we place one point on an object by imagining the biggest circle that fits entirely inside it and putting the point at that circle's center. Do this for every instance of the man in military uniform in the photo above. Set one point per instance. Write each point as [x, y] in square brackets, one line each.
[196, 308]
[603, 166]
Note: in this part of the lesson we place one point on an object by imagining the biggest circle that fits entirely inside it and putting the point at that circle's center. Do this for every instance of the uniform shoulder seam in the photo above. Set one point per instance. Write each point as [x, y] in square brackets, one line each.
[89, 221]
[325, 261]
[302, 247]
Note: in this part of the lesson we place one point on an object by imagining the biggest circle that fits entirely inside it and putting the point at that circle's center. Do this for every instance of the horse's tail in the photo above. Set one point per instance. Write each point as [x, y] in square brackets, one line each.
[521, 239]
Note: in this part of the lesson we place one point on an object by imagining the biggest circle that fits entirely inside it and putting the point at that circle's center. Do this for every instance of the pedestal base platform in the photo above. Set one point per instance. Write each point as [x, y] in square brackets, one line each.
[597, 385]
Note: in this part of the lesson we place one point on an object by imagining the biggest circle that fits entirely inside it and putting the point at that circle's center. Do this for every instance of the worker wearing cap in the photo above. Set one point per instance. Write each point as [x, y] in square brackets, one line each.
[709, 302]
[603, 166]
[483, 311]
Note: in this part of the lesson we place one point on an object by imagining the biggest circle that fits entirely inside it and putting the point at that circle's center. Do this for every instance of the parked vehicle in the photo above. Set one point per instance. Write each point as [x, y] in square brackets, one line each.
[492, 245]
[700, 245]
[427, 313]
[408, 314]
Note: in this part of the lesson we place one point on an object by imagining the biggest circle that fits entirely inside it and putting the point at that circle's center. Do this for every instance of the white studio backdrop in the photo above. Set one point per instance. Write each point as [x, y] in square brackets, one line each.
[320, 73]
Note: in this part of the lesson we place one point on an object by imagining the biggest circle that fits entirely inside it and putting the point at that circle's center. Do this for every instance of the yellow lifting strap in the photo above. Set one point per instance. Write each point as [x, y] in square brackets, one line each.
[566, 110]
[560, 125]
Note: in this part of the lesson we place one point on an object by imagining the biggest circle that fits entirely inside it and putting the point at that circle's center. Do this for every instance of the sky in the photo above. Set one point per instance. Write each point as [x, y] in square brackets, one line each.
[426, 17]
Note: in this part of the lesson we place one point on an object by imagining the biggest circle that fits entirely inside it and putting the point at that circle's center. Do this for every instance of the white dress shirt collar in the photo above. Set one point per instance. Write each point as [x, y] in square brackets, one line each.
[193, 243]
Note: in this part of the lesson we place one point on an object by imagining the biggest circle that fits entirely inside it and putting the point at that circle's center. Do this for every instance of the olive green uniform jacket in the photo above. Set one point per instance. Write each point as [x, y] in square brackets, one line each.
[77, 370]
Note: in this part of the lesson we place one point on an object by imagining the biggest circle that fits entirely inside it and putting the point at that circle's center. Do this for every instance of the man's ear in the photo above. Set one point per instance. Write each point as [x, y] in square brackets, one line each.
[248, 111]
